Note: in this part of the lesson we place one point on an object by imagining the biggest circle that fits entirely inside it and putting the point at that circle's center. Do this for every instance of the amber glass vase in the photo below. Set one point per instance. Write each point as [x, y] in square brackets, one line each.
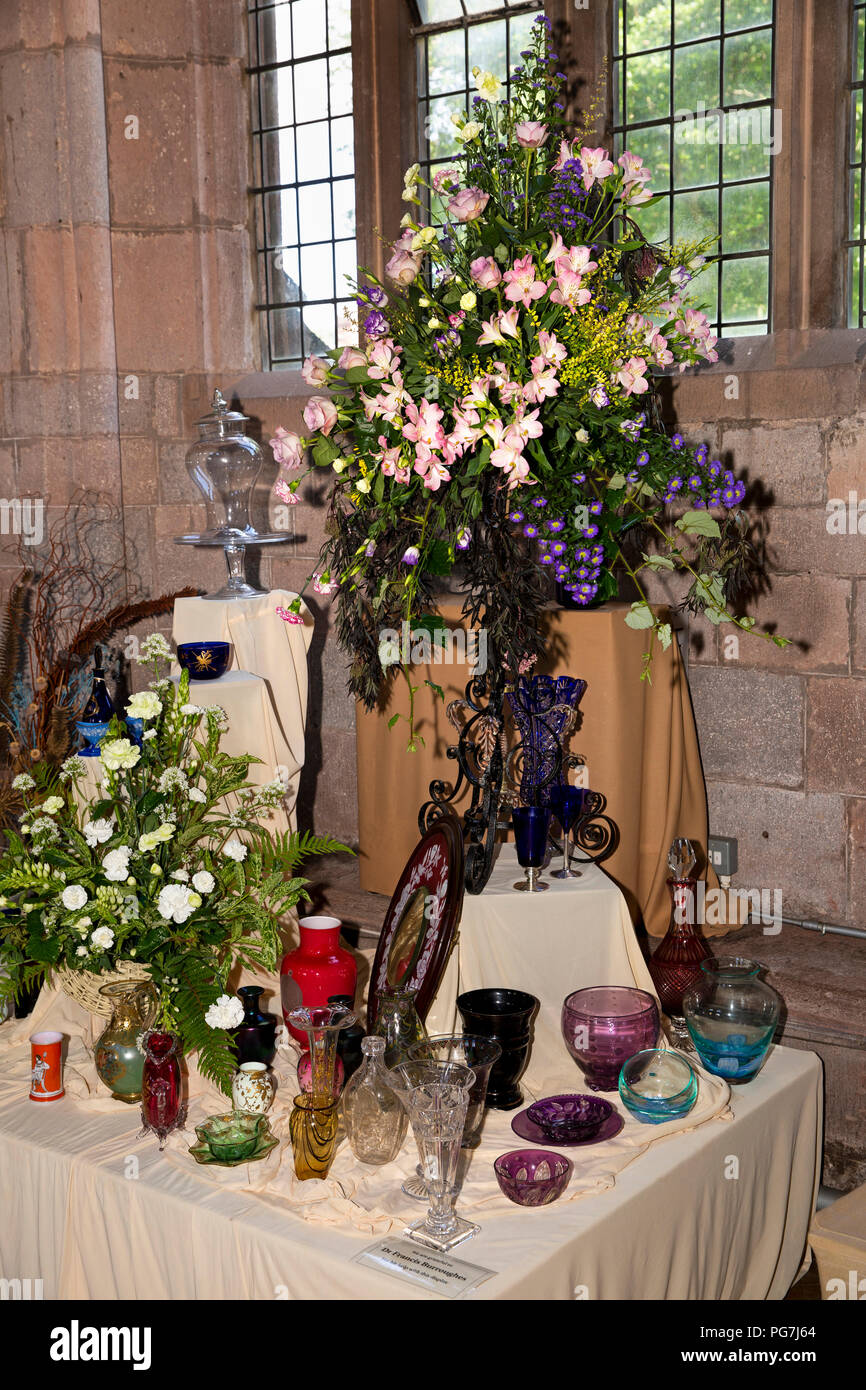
[315, 1118]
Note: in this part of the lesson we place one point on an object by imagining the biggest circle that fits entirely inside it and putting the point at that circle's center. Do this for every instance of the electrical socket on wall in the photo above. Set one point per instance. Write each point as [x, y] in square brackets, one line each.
[722, 854]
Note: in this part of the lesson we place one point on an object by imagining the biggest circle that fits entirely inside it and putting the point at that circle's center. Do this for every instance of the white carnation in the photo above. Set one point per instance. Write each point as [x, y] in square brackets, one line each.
[235, 850]
[203, 882]
[144, 705]
[73, 897]
[52, 804]
[81, 951]
[96, 832]
[195, 794]
[103, 937]
[227, 1012]
[174, 903]
[119, 753]
[115, 865]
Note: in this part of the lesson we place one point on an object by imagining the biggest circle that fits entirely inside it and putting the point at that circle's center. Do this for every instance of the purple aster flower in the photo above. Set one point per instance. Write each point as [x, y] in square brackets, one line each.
[558, 548]
[729, 496]
[714, 468]
[539, 501]
[589, 532]
[632, 477]
[597, 554]
[578, 477]
[695, 482]
[740, 489]
[713, 499]
[675, 484]
[596, 508]
[702, 453]
[517, 516]
[411, 556]
[699, 504]
[585, 593]
[555, 523]
[642, 459]
[583, 572]
[582, 554]
[729, 478]
[677, 441]
[530, 531]
[375, 325]
[545, 559]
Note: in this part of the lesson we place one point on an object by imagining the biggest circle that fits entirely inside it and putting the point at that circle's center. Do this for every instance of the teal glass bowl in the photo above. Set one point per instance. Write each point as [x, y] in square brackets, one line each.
[656, 1085]
[231, 1137]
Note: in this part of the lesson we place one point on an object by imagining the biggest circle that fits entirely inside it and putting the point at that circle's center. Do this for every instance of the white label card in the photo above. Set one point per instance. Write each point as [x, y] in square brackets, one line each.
[428, 1269]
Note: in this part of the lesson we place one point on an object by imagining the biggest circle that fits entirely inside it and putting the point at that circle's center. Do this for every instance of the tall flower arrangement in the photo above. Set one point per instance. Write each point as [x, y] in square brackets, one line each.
[503, 412]
[155, 867]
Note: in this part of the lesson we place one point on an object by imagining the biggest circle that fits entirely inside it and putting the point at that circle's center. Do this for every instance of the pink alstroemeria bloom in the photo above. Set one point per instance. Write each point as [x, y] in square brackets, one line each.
[390, 457]
[478, 393]
[551, 350]
[283, 491]
[596, 165]
[315, 371]
[466, 429]
[384, 358]
[508, 322]
[517, 473]
[693, 324]
[570, 291]
[485, 272]
[320, 414]
[661, 353]
[542, 386]
[491, 334]
[631, 376]
[424, 427]
[508, 451]
[633, 168]
[633, 194]
[351, 357]
[531, 134]
[527, 426]
[566, 152]
[639, 323]
[287, 448]
[523, 287]
[510, 391]
[436, 475]
[468, 204]
[578, 259]
[557, 249]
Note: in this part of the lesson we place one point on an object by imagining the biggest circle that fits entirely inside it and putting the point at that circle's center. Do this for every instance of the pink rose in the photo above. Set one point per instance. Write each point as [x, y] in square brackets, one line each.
[351, 357]
[531, 134]
[403, 267]
[485, 272]
[468, 204]
[315, 371]
[320, 414]
[287, 448]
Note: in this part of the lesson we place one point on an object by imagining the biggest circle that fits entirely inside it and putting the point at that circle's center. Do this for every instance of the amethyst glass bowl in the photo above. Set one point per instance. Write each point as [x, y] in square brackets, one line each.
[566, 1118]
[532, 1177]
[605, 1025]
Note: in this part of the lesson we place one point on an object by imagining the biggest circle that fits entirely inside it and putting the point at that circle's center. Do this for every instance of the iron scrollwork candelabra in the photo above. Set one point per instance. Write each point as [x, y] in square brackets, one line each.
[491, 772]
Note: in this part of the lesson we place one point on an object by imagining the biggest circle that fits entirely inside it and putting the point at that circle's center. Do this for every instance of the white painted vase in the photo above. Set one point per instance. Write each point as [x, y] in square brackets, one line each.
[252, 1088]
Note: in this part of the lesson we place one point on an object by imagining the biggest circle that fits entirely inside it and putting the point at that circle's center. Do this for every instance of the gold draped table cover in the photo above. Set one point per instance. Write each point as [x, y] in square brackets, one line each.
[638, 739]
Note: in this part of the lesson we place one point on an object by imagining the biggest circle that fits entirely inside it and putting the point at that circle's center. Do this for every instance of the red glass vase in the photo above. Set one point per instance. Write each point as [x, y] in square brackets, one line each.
[675, 965]
[316, 969]
[161, 1107]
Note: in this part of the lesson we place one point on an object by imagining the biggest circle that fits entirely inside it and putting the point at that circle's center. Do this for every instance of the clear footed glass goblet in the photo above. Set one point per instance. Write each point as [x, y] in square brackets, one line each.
[436, 1097]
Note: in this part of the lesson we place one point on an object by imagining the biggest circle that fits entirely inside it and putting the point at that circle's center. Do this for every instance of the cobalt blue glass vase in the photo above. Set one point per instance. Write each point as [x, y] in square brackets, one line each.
[543, 708]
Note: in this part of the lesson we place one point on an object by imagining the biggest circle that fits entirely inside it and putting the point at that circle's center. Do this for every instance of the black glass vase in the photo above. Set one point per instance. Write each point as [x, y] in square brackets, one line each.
[255, 1038]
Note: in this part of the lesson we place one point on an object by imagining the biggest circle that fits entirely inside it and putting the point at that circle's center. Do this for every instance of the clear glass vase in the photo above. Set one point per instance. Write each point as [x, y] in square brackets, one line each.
[398, 1023]
[373, 1113]
[436, 1097]
[732, 1016]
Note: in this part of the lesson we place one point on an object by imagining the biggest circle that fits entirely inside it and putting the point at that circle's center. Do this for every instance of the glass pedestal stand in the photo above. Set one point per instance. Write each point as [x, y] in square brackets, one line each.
[234, 544]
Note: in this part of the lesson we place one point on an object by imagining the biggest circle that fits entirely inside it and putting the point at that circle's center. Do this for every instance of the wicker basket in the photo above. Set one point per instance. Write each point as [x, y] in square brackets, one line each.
[83, 985]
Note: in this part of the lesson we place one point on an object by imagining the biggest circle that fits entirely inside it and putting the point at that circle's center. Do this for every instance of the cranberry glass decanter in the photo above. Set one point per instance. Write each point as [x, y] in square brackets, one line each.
[675, 966]
[161, 1107]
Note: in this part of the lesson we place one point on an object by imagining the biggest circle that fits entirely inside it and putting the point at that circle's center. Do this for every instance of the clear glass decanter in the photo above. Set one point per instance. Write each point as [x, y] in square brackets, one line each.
[398, 1023]
[373, 1113]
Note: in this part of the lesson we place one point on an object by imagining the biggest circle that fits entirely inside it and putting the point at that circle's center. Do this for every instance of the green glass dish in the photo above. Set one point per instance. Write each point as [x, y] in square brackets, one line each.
[232, 1137]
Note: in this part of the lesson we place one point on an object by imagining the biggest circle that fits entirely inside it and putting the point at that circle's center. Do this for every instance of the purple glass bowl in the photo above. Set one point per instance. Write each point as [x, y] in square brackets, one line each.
[532, 1177]
[605, 1025]
[566, 1118]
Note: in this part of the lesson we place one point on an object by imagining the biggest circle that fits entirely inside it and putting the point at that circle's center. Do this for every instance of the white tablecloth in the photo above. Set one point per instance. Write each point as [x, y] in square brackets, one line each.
[579, 933]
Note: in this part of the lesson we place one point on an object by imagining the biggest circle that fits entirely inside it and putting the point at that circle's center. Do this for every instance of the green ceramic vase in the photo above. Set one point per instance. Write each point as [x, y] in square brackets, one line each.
[119, 1060]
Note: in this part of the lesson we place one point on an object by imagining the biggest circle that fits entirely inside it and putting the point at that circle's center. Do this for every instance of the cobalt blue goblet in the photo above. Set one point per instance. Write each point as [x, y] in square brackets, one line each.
[531, 828]
[567, 803]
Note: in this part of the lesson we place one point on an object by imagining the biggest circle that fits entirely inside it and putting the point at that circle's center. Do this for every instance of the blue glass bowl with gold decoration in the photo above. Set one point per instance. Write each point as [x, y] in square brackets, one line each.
[205, 661]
